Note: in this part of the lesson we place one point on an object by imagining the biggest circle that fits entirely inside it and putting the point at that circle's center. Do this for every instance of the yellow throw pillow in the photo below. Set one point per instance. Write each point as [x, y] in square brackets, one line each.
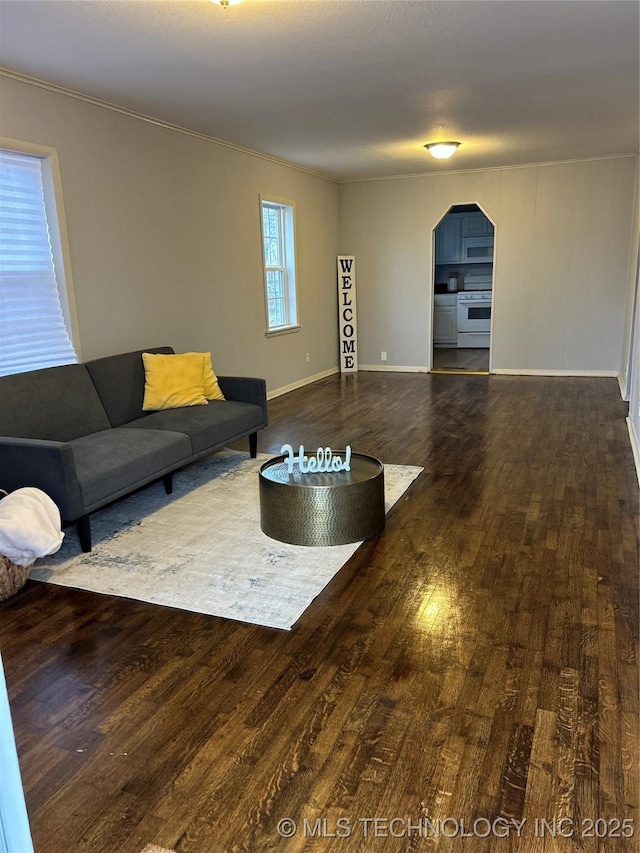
[211, 387]
[173, 381]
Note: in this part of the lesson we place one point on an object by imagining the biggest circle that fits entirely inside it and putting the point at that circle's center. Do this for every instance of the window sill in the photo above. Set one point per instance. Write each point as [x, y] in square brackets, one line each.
[285, 330]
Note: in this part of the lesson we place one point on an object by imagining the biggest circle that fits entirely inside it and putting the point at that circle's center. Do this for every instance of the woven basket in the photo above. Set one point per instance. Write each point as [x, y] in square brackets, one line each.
[12, 577]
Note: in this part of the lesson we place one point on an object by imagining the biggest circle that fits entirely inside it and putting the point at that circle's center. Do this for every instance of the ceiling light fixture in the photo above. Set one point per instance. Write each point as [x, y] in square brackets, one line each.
[225, 3]
[442, 150]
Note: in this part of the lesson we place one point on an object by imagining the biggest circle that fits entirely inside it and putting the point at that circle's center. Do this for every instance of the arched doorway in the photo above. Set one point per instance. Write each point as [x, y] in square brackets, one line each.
[462, 291]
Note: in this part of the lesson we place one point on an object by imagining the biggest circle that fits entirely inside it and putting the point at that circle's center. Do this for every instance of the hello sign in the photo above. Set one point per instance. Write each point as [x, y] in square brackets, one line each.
[347, 314]
[321, 462]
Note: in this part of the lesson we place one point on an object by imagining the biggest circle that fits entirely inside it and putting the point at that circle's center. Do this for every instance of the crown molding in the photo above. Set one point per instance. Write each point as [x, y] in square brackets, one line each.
[97, 102]
[89, 99]
[490, 168]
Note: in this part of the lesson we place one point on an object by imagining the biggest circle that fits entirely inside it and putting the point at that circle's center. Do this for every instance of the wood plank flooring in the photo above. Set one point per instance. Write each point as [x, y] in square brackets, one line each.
[470, 359]
[468, 681]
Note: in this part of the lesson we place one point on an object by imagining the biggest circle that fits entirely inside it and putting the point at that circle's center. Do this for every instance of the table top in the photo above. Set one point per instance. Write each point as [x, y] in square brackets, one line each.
[363, 468]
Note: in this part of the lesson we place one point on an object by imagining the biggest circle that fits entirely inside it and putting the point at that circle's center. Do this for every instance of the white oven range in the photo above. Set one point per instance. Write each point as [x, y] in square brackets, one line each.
[474, 318]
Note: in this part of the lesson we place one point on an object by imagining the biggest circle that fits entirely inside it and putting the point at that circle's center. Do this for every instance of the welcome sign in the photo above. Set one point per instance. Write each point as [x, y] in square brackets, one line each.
[347, 314]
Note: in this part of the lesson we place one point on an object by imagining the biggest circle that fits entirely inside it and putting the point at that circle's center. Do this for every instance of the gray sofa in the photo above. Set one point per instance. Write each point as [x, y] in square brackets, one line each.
[78, 432]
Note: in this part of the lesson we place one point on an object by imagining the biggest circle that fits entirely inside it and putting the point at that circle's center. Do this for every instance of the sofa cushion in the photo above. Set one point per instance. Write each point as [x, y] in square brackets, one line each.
[212, 390]
[114, 460]
[173, 381]
[119, 380]
[209, 426]
[53, 404]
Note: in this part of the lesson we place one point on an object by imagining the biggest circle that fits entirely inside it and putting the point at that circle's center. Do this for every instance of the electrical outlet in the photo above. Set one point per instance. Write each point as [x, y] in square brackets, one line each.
[308, 358]
[383, 356]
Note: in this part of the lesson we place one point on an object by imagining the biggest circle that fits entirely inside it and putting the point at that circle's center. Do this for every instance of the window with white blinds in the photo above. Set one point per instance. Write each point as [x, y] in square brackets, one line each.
[33, 331]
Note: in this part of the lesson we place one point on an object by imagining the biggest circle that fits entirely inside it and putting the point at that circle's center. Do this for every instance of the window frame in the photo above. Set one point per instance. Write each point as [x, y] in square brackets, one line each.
[58, 233]
[289, 267]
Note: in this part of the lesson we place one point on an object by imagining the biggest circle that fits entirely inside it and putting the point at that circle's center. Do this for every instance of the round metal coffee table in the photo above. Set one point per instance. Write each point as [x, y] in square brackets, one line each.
[331, 508]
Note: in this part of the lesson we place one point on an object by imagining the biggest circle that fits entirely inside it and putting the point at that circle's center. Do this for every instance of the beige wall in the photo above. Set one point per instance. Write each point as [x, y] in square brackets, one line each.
[631, 339]
[165, 248]
[630, 377]
[562, 262]
[164, 233]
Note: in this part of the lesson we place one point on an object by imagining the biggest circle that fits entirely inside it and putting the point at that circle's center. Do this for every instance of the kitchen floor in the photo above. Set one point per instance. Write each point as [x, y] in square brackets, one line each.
[474, 360]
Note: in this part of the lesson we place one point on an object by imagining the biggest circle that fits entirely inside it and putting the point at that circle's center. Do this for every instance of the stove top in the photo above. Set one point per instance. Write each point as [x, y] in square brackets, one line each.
[474, 295]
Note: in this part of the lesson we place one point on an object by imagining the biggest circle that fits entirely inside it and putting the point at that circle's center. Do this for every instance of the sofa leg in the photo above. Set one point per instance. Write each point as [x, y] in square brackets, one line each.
[83, 526]
[253, 445]
[168, 483]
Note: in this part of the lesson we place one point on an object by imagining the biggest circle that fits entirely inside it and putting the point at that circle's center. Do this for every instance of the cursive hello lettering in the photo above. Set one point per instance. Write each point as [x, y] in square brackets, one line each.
[323, 461]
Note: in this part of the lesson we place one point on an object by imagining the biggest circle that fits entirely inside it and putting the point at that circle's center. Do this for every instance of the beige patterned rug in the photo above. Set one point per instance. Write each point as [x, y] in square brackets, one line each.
[202, 549]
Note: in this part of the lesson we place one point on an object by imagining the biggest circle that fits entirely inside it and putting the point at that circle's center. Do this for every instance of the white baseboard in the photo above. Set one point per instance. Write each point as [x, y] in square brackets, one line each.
[623, 387]
[392, 368]
[508, 371]
[635, 446]
[400, 368]
[308, 380]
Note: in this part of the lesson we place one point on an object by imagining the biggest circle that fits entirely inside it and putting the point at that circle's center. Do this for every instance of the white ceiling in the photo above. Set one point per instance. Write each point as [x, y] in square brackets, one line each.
[352, 88]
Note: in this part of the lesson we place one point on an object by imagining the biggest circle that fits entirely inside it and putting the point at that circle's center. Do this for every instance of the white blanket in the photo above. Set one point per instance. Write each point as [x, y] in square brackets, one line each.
[30, 526]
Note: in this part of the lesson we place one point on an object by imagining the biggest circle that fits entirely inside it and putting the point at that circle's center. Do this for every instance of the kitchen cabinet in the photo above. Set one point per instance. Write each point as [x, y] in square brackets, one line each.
[476, 225]
[453, 229]
[445, 320]
[449, 240]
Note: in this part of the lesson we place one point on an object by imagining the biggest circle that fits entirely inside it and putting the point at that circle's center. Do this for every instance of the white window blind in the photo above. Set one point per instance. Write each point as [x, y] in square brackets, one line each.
[33, 332]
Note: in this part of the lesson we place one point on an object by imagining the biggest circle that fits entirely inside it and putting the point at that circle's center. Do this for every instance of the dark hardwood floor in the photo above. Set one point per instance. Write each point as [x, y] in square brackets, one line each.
[473, 668]
[473, 360]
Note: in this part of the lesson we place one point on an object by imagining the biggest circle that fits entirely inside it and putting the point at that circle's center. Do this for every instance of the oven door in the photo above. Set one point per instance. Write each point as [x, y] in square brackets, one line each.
[474, 315]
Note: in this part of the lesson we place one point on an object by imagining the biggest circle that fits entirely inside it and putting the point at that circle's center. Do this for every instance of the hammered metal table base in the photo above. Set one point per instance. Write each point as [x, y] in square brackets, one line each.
[332, 508]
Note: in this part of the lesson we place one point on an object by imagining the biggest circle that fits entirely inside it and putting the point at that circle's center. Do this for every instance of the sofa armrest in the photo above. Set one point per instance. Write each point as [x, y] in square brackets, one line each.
[245, 389]
[47, 465]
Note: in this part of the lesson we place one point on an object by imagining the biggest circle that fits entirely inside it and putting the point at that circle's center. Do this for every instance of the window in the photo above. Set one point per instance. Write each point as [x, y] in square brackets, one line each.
[279, 265]
[34, 313]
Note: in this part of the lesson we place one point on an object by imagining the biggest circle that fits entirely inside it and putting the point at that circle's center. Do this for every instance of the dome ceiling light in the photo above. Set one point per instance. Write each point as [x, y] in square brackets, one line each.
[442, 150]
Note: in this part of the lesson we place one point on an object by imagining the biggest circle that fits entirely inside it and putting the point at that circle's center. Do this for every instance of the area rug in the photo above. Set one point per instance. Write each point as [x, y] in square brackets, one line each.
[202, 549]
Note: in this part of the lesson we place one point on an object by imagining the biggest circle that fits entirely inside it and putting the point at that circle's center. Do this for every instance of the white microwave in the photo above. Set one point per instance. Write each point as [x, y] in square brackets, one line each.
[478, 249]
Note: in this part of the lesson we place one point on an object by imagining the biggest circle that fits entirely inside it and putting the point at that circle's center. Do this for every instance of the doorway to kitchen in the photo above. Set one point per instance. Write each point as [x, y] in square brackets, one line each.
[462, 291]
